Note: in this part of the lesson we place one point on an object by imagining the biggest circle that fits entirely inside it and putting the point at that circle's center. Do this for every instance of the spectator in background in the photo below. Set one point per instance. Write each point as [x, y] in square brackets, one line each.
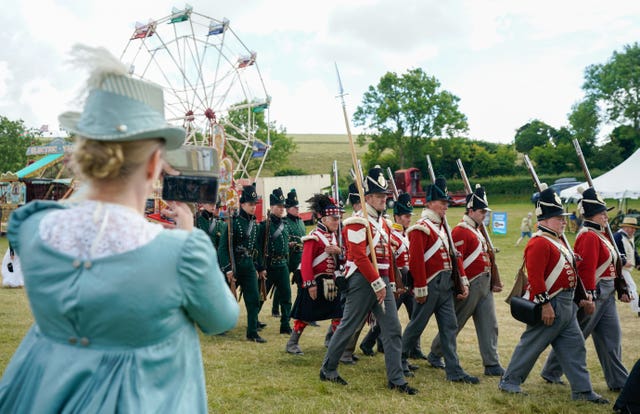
[525, 228]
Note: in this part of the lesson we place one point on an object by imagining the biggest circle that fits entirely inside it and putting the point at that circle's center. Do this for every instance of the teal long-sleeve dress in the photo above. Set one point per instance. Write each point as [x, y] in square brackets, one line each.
[117, 333]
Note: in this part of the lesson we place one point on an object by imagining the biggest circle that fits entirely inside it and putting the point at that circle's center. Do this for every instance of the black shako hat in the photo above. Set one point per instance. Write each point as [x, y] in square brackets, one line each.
[354, 197]
[403, 205]
[249, 194]
[478, 199]
[276, 198]
[292, 199]
[375, 182]
[437, 191]
[549, 204]
[591, 203]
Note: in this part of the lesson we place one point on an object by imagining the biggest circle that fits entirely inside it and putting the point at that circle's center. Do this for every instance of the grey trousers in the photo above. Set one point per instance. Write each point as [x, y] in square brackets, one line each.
[360, 300]
[480, 305]
[604, 327]
[565, 338]
[439, 302]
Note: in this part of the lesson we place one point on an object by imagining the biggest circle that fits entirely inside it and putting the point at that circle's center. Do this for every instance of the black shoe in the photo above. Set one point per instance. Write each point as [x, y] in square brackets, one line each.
[599, 400]
[404, 388]
[615, 389]
[494, 371]
[348, 361]
[553, 381]
[355, 357]
[435, 361]
[408, 374]
[417, 355]
[412, 367]
[256, 338]
[314, 324]
[366, 350]
[261, 325]
[286, 330]
[275, 314]
[337, 380]
[467, 379]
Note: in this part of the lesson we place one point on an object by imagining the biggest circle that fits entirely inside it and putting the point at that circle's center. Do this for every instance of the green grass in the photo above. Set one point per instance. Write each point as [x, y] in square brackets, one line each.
[249, 377]
[315, 153]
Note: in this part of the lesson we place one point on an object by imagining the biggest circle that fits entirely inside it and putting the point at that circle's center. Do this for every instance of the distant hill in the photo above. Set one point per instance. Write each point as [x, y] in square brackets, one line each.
[316, 152]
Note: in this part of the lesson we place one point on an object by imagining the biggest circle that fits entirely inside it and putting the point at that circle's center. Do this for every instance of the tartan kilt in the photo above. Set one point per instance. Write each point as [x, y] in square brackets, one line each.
[308, 310]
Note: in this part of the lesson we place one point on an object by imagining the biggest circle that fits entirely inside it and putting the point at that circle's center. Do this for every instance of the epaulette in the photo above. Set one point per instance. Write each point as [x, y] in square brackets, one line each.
[420, 227]
[308, 237]
[397, 227]
[356, 220]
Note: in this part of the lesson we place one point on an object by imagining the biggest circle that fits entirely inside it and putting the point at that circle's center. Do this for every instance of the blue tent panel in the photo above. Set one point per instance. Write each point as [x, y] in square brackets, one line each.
[41, 163]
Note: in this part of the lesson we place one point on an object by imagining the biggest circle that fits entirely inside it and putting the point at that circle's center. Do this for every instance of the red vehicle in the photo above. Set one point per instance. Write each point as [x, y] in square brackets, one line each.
[408, 181]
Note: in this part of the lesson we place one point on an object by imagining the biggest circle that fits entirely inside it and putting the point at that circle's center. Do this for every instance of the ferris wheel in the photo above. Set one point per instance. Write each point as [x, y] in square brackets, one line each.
[212, 83]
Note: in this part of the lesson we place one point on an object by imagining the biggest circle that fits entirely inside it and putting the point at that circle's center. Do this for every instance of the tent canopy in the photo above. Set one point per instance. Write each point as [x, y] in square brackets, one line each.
[619, 183]
[32, 169]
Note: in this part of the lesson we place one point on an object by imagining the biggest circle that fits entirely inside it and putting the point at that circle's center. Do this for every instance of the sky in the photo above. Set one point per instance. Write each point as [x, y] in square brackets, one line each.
[508, 61]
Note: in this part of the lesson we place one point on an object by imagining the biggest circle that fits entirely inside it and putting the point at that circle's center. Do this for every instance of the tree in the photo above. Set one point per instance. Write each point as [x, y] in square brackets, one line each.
[533, 134]
[402, 112]
[281, 145]
[616, 84]
[14, 141]
[584, 121]
[626, 138]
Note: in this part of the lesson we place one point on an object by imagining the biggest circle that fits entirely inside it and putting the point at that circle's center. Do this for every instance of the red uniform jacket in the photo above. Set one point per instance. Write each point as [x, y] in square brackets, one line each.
[472, 246]
[597, 253]
[427, 238]
[544, 262]
[357, 249]
[400, 243]
[314, 260]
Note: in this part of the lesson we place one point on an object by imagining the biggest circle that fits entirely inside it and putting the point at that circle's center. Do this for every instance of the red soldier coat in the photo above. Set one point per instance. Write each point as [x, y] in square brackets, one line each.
[400, 243]
[472, 246]
[315, 261]
[549, 264]
[597, 253]
[428, 251]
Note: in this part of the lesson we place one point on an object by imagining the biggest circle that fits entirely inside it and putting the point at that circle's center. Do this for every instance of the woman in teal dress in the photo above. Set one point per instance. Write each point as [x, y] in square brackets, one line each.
[115, 298]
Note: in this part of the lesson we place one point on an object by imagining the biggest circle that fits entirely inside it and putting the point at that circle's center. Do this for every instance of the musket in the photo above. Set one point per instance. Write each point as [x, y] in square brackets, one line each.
[581, 293]
[393, 184]
[619, 282]
[359, 177]
[491, 250]
[400, 285]
[232, 258]
[453, 252]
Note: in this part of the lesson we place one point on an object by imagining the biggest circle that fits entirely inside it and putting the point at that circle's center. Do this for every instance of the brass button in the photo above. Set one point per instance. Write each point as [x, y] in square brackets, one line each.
[87, 264]
[84, 341]
[73, 340]
[76, 263]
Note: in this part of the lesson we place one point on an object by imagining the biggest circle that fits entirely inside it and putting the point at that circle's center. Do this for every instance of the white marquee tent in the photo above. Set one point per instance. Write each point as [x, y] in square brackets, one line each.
[619, 183]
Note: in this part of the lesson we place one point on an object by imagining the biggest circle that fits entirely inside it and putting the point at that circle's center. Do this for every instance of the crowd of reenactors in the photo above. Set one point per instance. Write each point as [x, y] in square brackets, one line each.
[365, 267]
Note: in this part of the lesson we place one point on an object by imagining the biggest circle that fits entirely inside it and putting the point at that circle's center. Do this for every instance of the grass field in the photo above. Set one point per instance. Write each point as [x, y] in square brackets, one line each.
[316, 152]
[247, 377]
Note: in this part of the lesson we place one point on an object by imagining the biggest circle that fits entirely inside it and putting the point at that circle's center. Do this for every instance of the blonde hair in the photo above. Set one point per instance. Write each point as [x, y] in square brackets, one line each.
[108, 160]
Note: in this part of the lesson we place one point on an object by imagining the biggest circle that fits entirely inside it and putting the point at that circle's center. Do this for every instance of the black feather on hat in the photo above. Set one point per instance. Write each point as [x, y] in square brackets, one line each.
[375, 182]
[477, 200]
[591, 203]
[403, 205]
[549, 204]
[438, 190]
[276, 198]
[249, 194]
[323, 205]
[354, 196]
[292, 199]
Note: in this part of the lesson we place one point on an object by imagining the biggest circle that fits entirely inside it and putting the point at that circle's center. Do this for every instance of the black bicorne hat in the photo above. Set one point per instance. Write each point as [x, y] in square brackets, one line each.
[249, 194]
[292, 199]
[354, 197]
[403, 205]
[437, 191]
[375, 182]
[591, 203]
[276, 198]
[478, 199]
[549, 204]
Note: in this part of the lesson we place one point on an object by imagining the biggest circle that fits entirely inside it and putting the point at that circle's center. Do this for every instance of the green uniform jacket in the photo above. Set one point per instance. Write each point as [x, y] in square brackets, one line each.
[297, 230]
[210, 224]
[245, 231]
[277, 250]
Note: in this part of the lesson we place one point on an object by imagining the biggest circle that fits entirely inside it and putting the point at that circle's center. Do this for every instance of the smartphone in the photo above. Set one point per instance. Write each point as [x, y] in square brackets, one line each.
[190, 189]
[198, 179]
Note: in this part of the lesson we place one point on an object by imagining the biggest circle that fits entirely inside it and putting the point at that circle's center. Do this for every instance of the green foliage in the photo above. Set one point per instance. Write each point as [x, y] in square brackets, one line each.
[289, 171]
[626, 138]
[281, 145]
[616, 85]
[584, 120]
[533, 134]
[14, 141]
[402, 112]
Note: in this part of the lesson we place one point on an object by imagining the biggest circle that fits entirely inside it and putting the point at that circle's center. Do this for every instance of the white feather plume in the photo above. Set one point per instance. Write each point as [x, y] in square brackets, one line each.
[99, 62]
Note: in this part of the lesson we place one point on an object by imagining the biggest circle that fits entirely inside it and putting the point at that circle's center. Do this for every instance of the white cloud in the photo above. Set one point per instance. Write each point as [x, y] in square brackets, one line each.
[5, 77]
